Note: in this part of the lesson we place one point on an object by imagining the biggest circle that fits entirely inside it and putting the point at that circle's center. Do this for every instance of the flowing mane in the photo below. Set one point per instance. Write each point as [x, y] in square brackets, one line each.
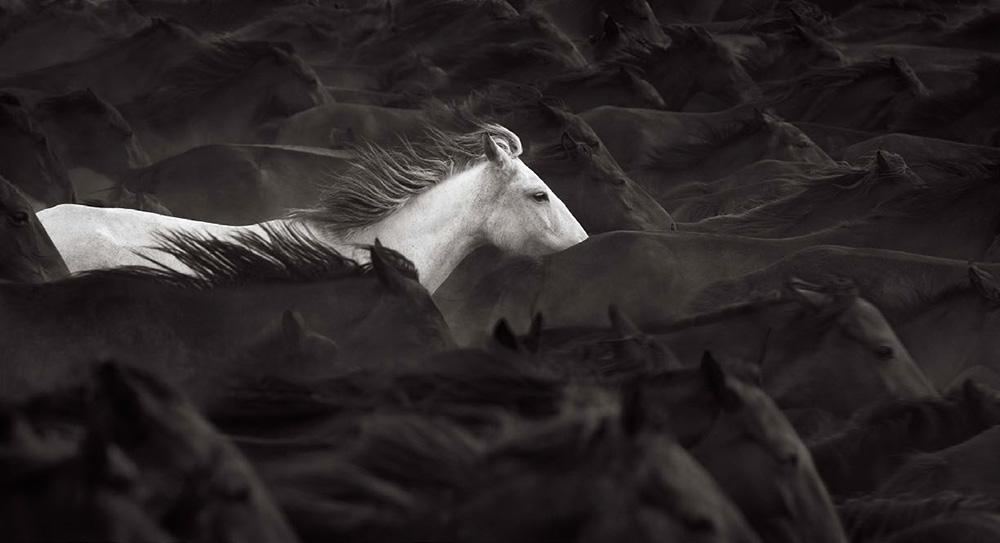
[707, 139]
[285, 255]
[185, 87]
[935, 111]
[825, 185]
[820, 84]
[383, 180]
[870, 519]
[920, 202]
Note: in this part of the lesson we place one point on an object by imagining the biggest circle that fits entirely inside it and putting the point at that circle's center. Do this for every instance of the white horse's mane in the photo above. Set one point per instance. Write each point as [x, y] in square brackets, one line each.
[381, 180]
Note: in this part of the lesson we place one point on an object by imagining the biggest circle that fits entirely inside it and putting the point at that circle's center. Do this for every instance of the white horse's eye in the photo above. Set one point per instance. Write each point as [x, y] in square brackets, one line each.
[540, 197]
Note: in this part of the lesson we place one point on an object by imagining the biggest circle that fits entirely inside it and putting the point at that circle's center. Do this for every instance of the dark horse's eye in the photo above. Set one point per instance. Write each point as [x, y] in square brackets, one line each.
[540, 197]
[19, 218]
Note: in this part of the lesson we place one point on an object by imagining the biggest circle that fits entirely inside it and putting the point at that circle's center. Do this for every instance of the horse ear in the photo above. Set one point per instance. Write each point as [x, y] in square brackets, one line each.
[611, 29]
[795, 15]
[882, 162]
[292, 331]
[622, 324]
[387, 274]
[505, 337]
[493, 151]
[809, 293]
[534, 338]
[804, 33]
[984, 283]
[758, 116]
[548, 108]
[569, 144]
[625, 74]
[718, 381]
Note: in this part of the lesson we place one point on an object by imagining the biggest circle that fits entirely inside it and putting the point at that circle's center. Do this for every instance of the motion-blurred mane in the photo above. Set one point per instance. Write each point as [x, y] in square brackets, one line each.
[185, 87]
[285, 255]
[383, 180]
[708, 140]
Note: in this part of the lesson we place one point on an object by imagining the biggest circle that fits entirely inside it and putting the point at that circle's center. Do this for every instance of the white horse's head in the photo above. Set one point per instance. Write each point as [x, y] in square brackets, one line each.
[521, 213]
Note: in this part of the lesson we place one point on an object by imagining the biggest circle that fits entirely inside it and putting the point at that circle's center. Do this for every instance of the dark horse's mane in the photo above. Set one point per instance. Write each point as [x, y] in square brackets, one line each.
[708, 140]
[824, 186]
[185, 87]
[284, 255]
[935, 111]
[870, 519]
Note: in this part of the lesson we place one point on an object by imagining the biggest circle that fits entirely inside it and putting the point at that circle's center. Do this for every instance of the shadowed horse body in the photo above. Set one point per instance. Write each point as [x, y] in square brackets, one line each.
[123, 456]
[238, 184]
[665, 150]
[823, 202]
[28, 160]
[720, 419]
[87, 132]
[223, 95]
[967, 114]
[869, 95]
[122, 70]
[856, 458]
[188, 328]
[55, 32]
[27, 254]
[651, 276]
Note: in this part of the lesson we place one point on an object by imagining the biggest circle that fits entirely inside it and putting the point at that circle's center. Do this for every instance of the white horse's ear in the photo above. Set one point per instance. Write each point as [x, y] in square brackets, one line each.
[494, 153]
[809, 293]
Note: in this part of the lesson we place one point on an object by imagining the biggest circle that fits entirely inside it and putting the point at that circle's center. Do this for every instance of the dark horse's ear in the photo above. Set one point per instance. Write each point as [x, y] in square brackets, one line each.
[719, 382]
[505, 337]
[611, 29]
[534, 337]
[622, 324]
[293, 331]
[387, 273]
[984, 283]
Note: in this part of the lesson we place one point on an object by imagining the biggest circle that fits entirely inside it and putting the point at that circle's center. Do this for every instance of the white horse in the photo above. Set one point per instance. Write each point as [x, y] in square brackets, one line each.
[434, 202]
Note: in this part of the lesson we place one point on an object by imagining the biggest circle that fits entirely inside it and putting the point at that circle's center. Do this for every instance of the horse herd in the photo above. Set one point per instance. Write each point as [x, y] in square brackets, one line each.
[499, 270]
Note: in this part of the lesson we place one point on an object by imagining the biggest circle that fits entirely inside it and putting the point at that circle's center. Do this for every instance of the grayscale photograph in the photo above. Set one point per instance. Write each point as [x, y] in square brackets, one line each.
[499, 271]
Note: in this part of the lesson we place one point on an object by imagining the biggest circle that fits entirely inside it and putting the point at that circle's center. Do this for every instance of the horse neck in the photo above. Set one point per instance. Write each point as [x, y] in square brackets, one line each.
[942, 328]
[436, 230]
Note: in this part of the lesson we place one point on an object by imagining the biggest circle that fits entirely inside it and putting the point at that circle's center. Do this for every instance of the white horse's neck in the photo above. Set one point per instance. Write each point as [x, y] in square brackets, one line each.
[436, 230]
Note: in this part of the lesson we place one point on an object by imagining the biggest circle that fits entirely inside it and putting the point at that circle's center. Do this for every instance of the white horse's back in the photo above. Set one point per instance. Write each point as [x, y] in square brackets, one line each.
[93, 237]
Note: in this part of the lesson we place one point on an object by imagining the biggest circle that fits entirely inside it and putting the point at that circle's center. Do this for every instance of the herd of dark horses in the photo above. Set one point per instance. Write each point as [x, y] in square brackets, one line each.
[784, 326]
